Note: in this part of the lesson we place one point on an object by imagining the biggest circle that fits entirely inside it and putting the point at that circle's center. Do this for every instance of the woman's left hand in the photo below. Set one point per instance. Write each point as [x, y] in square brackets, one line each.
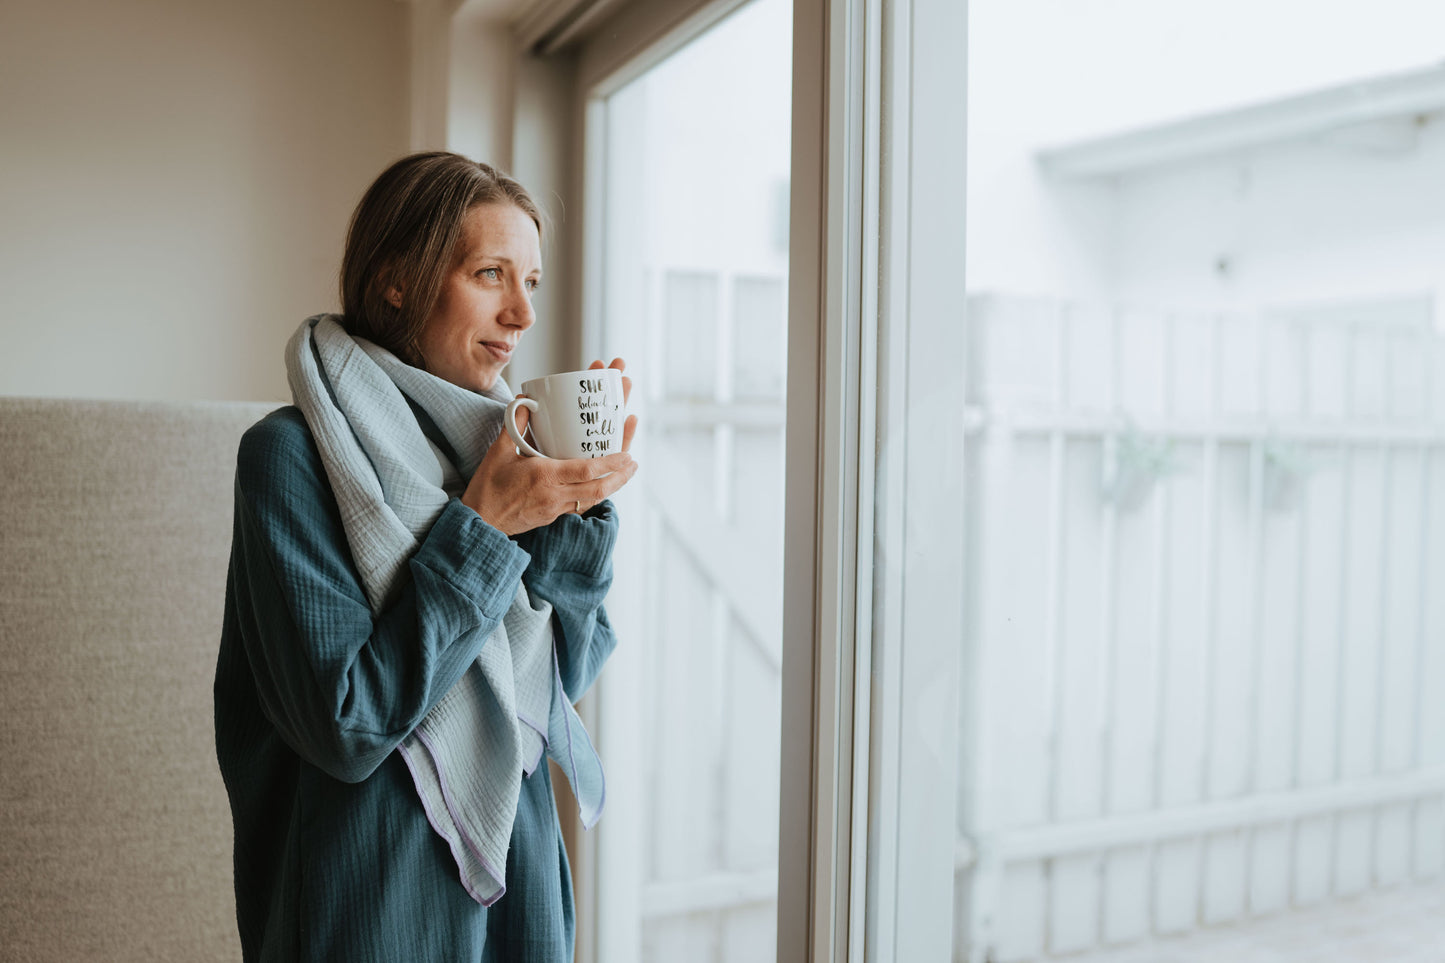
[630, 425]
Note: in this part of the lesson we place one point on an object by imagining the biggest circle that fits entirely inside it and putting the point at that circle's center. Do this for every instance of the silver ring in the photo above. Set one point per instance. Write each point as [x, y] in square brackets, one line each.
[579, 506]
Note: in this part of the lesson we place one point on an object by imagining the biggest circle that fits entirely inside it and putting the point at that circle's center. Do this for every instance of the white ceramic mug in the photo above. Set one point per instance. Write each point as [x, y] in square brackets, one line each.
[575, 414]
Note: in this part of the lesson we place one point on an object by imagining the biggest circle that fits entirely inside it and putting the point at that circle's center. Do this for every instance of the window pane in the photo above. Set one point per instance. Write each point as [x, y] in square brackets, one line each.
[694, 277]
[760, 323]
[688, 335]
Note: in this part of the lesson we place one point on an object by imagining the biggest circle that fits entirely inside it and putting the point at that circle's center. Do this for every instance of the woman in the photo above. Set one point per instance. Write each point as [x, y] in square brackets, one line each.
[412, 606]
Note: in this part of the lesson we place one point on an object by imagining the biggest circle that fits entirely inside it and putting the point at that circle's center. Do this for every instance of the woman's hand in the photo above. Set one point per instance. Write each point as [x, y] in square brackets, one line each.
[515, 493]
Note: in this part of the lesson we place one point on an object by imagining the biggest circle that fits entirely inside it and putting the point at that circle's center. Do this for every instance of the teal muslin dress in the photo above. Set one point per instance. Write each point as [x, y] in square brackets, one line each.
[334, 858]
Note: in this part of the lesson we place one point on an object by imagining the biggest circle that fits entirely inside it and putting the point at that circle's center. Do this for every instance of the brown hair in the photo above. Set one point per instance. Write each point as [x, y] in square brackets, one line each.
[403, 234]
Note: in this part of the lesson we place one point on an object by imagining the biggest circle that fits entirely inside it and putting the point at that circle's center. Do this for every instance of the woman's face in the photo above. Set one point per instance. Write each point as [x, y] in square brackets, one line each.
[485, 302]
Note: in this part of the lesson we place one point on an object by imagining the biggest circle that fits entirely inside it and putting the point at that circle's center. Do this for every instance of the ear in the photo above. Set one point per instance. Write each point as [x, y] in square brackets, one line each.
[390, 292]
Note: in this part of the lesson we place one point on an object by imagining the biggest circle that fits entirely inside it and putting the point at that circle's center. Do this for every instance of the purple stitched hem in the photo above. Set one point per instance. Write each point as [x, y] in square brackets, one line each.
[451, 843]
[532, 724]
[452, 809]
[561, 693]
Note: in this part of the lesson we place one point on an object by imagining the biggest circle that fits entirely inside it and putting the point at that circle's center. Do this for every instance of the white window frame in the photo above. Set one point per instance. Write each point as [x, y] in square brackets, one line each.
[876, 364]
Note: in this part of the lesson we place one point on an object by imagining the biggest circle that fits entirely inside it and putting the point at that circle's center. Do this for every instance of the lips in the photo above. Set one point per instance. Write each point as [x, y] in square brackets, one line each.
[500, 350]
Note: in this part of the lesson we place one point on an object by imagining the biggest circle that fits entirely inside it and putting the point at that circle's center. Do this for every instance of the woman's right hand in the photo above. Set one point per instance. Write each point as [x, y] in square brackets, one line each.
[516, 493]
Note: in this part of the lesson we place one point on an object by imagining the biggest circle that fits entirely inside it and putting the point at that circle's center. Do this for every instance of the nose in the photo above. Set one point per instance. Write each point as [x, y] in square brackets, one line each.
[519, 313]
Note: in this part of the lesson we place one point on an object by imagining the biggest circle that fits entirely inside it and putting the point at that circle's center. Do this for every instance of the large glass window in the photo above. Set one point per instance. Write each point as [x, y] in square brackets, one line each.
[691, 271]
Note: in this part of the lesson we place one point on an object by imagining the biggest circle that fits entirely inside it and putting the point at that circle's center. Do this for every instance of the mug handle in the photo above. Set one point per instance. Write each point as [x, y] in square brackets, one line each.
[511, 423]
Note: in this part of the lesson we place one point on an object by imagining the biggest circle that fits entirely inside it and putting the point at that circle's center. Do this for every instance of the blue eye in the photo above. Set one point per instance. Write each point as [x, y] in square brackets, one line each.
[491, 274]
[533, 284]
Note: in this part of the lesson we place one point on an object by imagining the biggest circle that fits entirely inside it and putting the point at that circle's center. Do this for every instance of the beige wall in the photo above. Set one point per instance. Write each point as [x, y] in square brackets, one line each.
[175, 180]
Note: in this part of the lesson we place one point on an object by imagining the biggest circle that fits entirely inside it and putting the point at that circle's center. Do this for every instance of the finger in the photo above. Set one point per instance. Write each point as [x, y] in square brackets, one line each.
[595, 491]
[619, 364]
[589, 495]
[626, 388]
[594, 366]
[628, 428]
[503, 441]
[581, 471]
[523, 415]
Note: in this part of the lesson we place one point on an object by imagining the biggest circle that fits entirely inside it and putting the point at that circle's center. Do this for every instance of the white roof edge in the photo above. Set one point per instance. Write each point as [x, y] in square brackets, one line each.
[1392, 96]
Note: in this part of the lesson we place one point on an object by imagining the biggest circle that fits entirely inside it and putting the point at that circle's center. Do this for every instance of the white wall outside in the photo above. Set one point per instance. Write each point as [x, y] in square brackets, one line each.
[1304, 222]
[1196, 707]
[1045, 72]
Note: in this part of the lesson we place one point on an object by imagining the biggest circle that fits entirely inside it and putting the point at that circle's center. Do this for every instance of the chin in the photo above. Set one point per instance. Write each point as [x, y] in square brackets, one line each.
[486, 380]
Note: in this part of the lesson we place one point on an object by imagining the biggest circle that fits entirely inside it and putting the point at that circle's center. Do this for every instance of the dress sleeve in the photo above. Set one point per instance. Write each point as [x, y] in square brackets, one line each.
[571, 567]
[342, 687]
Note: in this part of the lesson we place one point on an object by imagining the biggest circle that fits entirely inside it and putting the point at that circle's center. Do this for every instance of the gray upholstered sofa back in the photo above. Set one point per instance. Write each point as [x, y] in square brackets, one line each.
[115, 526]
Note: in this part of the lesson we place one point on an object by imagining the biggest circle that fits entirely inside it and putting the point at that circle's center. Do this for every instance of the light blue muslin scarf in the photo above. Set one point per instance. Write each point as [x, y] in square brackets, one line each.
[468, 755]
